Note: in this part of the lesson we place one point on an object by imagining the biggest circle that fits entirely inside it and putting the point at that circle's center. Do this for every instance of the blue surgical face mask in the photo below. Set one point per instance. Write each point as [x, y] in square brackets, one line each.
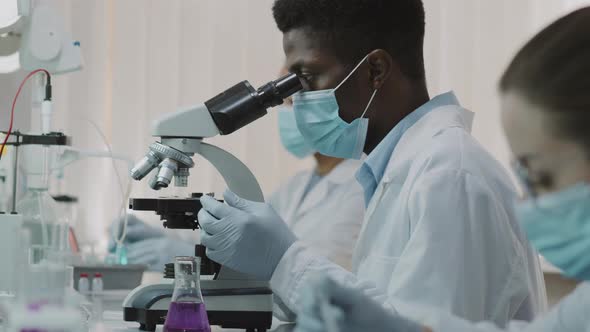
[318, 119]
[290, 134]
[558, 226]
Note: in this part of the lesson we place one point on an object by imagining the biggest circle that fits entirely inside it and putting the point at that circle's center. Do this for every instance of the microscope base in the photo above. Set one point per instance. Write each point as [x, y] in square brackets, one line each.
[236, 304]
[251, 321]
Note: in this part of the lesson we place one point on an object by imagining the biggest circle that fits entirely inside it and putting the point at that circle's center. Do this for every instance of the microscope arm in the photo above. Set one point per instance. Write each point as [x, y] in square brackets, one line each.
[237, 176]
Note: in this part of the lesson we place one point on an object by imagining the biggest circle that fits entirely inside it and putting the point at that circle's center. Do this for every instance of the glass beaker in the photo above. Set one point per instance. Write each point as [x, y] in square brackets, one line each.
[187, 311]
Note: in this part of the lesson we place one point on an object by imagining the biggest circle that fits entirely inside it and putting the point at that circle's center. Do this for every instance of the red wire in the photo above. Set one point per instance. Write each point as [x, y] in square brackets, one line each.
[14, 104]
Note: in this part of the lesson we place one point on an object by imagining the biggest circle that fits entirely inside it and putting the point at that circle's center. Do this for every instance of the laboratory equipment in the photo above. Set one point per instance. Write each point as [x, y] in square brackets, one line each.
[40, 216]
[39, 37]
[11, 221]
[234, 300]
[97, 284]
[41, 299]
[114, 276]
[67, 207]
[84, 284]
[37, 208]
[97, 293]
[187, 309]
[45, 300]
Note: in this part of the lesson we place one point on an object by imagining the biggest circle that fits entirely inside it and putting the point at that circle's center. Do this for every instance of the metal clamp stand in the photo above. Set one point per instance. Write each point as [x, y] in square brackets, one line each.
[17, 139]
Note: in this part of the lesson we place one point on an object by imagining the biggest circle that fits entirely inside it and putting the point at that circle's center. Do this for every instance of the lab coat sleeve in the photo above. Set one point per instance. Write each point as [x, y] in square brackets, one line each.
[335, 253]
[462, 256]
[275, 200]
[568, 316]
[298, 267]
[301, 262]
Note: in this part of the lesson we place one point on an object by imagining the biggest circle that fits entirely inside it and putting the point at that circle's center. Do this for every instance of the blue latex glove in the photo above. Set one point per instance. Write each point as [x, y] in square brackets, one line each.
[326, 306]
[157, 252]
[246, 236]
[137, 230]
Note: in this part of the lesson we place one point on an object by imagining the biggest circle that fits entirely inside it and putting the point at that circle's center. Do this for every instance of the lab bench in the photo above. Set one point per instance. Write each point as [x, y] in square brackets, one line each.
[113, 313]
[113, 321]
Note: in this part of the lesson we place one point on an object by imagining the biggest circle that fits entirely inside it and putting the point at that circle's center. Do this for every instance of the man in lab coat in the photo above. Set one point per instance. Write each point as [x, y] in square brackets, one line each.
[323, 206]
[440, 228]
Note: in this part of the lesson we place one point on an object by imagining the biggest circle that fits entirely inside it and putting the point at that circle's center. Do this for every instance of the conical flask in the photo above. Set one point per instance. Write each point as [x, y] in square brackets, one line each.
[187, 311]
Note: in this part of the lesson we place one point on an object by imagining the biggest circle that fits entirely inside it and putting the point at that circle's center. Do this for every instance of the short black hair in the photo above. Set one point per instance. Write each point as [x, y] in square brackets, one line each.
[353, 28]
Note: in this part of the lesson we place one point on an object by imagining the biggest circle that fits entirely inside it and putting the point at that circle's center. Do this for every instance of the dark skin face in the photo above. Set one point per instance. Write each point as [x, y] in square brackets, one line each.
[320, 68]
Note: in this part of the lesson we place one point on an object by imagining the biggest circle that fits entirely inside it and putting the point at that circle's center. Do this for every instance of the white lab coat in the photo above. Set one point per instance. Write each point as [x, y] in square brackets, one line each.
[570, 315]
[329, 218]
[439, 231]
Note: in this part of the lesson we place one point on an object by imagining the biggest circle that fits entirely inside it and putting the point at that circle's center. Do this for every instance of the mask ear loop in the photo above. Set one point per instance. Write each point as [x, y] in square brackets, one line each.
[346, 79]
[352, 72]
[369, 104]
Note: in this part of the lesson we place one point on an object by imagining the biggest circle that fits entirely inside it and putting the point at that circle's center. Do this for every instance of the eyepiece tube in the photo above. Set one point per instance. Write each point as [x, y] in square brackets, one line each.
[241, 104]
[274, 92]
[288, 85]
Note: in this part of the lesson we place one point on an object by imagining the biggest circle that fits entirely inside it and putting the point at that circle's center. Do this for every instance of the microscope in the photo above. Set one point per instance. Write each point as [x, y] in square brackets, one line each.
[233, 299]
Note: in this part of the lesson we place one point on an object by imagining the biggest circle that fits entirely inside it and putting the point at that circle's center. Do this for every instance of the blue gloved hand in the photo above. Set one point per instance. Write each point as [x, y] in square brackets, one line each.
[246, 236]
[137, 230]
[157, 252]
[326, 306]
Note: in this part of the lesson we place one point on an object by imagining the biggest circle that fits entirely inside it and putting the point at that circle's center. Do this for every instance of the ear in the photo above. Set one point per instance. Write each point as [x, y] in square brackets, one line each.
[380, 67]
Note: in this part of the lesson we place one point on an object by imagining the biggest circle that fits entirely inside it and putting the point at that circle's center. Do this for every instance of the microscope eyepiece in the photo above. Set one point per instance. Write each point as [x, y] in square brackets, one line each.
[288, 85]
[240, 105]
[274, 92]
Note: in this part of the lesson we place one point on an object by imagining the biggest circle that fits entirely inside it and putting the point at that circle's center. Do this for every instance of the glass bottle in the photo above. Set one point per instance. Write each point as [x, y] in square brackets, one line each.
[187, 311]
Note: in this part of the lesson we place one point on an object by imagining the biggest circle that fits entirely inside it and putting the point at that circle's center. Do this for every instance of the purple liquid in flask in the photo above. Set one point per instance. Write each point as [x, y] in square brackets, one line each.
[187, 311]
[187, 317]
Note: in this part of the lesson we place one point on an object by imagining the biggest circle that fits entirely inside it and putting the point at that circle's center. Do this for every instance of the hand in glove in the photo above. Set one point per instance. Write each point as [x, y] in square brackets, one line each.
[137, 230]
[246, 236]
[328, 306]
[157, 252]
